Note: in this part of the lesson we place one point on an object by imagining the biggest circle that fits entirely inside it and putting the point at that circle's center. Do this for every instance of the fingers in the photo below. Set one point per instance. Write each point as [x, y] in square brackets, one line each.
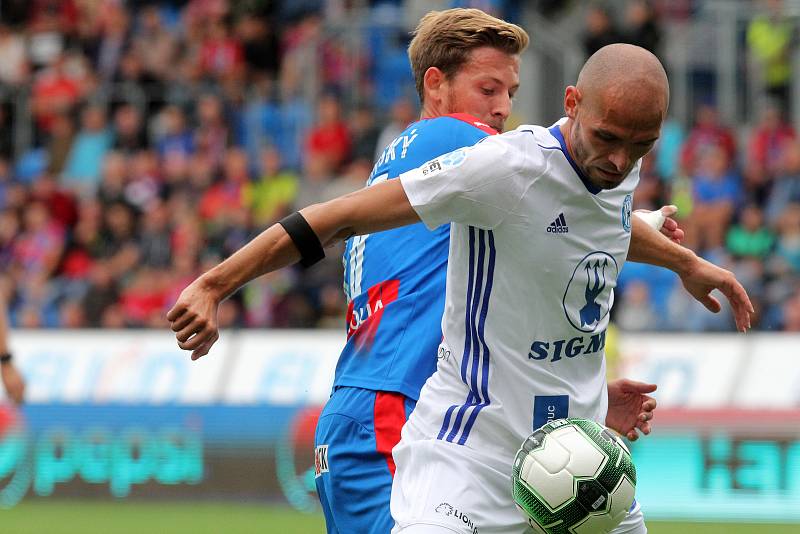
[179, 322]
[638, 387]
[198, 326]
[649, 405]
[204, 348]
[711, 303]
[740, 302]
[178, 309]
[669, 211]
[198, 340]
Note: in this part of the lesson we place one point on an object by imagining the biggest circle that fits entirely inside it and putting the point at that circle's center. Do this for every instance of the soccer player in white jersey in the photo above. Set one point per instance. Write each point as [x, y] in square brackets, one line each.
[526, 308]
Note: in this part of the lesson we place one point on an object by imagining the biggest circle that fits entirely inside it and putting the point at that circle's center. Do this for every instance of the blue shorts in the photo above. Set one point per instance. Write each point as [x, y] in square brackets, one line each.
[353, 444]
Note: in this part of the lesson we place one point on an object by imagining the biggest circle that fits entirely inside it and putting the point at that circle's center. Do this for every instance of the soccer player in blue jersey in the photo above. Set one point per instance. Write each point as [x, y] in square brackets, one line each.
[466, 67]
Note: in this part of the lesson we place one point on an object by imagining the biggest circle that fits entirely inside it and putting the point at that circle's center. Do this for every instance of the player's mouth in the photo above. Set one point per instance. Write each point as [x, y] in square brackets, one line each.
[610, 176]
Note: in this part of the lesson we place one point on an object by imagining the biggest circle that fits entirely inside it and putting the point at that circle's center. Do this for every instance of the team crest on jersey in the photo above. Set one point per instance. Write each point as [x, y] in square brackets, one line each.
[587, 299]
[448, 161]
[627, 206]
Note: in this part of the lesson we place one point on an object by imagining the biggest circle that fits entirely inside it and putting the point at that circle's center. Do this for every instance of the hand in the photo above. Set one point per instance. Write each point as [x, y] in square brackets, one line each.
[13, 382]
[702, 277]
[662, 220]
[193, 318]
[630, 408]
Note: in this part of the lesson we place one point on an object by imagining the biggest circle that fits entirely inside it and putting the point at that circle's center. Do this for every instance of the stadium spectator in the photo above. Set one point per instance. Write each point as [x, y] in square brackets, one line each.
[641, 26]
[600, 30]
[14, 67]
[82, 169]
[637, 313]
[211, 134]
[59, 146]
[786, 184]
[788, 245]
[154, 44]
[271, 196]
[707, 132]
[329, 138]
[260, 45]
[403, 113]
[771, 37]
[768, 140]
[55, 91]
[128, 130]
[750, 238]
[174, 140]
[365, 133]
[716, 192]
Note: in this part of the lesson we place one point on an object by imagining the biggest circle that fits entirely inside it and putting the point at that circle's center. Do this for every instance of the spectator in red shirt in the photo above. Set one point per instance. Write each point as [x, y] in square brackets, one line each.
[226, 196]
[707, 133]
[769, 139]
[221, 54]
[330, 137]
[54, 92]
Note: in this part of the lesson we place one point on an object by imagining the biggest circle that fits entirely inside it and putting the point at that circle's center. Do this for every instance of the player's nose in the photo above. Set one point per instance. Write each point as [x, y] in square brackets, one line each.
[502, 107]
[619, 159]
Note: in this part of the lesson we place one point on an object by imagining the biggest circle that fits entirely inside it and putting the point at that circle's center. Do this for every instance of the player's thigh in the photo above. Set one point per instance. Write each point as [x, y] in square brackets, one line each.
[447, 486]
[353, 478]
[633, 522]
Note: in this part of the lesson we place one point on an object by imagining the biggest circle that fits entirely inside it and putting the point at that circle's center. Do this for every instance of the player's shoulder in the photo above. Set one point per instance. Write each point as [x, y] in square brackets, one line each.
[456, 130]
[520, 149]
[427, 139]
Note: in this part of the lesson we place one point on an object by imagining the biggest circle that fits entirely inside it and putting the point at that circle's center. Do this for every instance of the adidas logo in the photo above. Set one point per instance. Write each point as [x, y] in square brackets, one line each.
[559, 226]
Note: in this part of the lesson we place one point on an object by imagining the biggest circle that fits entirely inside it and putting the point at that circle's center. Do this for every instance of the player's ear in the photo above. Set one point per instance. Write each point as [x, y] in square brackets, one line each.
[572, 97]
[433, 82]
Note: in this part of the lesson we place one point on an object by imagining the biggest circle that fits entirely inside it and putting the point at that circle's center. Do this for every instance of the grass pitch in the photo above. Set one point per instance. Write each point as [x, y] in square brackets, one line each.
[103, 517]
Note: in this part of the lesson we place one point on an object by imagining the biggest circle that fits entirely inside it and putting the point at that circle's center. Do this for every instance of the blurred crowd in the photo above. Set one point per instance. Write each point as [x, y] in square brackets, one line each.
[737, 187]
[165, 135]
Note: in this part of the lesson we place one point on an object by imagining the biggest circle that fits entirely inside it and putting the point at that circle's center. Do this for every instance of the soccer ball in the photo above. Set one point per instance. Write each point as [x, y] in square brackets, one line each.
[573, 476]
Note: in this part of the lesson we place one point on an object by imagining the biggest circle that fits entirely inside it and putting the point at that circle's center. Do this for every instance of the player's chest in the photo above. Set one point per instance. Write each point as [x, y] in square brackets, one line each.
[559, 230]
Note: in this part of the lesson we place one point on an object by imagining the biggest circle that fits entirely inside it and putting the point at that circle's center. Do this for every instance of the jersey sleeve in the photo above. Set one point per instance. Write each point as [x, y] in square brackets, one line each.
[477, 186]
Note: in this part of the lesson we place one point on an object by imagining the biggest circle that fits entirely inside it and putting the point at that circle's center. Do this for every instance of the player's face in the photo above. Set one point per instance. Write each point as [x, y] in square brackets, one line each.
[484, 87]
[606, 139]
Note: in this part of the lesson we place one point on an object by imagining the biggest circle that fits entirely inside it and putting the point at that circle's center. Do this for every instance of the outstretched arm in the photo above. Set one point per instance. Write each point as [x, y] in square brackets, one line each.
[10, 376]
[698, 276]
[194, 316]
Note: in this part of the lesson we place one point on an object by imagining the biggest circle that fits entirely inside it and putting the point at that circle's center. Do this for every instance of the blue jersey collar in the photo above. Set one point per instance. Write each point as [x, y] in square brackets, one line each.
[555, 131]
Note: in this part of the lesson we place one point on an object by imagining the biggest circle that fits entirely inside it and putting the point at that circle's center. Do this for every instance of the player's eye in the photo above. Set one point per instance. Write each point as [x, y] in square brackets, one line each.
[604, 136]
[487, 91]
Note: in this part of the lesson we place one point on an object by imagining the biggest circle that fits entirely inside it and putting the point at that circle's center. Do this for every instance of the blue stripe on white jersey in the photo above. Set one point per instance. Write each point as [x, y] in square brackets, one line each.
[475, 360]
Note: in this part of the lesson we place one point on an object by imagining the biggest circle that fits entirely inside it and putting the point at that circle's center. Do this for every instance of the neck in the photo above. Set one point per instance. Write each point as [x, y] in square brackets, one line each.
[431, 110]
[566, 128]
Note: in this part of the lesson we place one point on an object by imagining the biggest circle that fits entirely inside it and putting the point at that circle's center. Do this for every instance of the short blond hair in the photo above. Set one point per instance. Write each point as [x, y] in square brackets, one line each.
[444, 39]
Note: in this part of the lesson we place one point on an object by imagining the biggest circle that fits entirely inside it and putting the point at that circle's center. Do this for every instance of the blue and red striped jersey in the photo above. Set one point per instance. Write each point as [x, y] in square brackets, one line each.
[394, 281]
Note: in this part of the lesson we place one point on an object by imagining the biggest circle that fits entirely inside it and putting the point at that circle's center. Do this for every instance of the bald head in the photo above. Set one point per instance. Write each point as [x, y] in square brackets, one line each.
[623, 73]
[615, 112]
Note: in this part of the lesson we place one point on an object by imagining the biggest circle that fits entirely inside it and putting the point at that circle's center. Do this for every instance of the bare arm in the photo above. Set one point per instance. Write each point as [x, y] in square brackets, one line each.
[193, 317]
[698, 276]
[10, 376]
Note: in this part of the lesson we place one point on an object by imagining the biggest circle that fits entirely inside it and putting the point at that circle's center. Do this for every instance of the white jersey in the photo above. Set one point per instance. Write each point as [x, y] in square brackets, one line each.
[535, 252]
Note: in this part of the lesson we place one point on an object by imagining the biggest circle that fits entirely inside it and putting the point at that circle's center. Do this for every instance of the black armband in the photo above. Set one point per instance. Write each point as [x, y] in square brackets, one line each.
[5, 358]
[304, 238]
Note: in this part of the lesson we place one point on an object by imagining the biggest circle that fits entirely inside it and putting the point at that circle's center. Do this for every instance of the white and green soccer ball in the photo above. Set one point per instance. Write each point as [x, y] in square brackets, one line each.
[573, 476]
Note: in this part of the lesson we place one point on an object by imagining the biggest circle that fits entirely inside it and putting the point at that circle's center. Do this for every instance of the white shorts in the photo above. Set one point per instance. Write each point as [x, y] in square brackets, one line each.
[441, 487]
